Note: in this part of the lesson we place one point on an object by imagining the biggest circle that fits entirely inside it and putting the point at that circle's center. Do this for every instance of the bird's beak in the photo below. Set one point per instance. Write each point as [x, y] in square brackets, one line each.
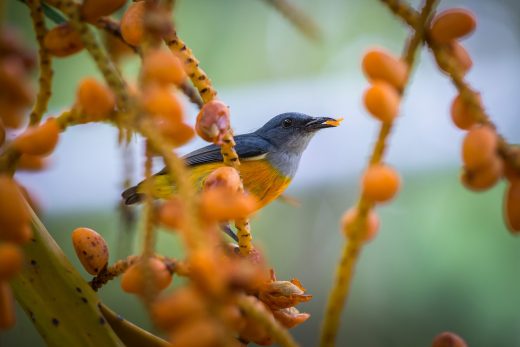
[322, 122]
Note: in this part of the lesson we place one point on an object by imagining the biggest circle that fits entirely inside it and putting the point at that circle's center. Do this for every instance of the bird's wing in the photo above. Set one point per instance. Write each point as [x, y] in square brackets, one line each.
[248, 146]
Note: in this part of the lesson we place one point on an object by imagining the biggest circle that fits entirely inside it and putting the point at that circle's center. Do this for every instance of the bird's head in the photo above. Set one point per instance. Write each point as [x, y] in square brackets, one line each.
[292, 131]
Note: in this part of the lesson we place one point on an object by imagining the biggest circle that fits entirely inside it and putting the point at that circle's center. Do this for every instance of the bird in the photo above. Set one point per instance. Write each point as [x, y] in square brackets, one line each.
[269, 159]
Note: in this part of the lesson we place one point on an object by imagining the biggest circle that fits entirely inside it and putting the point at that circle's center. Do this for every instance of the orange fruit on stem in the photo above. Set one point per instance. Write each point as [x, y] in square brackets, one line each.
[95, 99]
[379, 64]
[163, 67]
[29, 162]
[91, 249]
[479, 147]
[461, 56]
[93, 9]
[213, 121]
[14, 215]
[11, 259]
[161, 101]
[484, 177]
[368, 229]
[452, 24]
[171, 214]
[133, 280]
[7, 315]
[62, 41]
[462, 113]
[382, 101]
[39, 140]
[226, 177]
[132, 23]
[380, 183]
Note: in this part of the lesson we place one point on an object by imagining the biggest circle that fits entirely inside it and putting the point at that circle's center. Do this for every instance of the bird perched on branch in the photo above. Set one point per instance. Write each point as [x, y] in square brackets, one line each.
[269, 159]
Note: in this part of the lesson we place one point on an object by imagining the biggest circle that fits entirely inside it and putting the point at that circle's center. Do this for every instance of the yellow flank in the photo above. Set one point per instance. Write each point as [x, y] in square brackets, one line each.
[260, 179]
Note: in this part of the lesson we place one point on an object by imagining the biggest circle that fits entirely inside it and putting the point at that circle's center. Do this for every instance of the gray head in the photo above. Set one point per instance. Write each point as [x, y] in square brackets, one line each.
[289, 134]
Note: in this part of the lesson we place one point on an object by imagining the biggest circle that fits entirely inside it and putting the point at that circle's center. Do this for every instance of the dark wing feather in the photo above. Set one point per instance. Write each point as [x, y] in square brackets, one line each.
[247, 146]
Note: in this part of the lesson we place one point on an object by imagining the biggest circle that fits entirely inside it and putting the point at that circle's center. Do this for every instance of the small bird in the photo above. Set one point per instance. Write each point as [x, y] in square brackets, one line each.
[269, 159]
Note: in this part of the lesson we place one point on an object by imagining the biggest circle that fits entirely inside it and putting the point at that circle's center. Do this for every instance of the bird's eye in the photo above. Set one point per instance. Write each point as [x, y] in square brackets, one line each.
[287, 122]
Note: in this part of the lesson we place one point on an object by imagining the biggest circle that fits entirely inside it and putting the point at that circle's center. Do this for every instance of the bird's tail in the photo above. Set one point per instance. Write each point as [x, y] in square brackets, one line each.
[132, 196]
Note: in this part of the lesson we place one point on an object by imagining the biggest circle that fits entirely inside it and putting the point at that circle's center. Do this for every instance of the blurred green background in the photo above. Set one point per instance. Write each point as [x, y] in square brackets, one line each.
[443, 259]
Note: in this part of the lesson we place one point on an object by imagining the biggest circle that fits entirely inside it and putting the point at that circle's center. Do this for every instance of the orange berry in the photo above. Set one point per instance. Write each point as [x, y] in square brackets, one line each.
[380, 183]
[163, 67]
[161, 101]
[7, 315]
[448, 339]
[368, 229]
[177, 134]
[182, 304]
[226, 177]
[14, 215]
[11, 259]
[378, 64]
[461, 56]
[171, 214]
[479, 147]
[132, 23]
[29, 162]
[462, 113]
[197, 333]
[95, 99]
[512, 206]
[133, 280]
[382, 101]
[62, 41]
[220, 204]
[484, 177]
[452, 24]
[213, 121]
[39, 140]
[93, 9]
[91, 249]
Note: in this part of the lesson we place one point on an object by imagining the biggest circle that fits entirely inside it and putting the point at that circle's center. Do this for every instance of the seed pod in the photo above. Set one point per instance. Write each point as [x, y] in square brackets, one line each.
[160, 101]
[163, 67]
[219, 204]
[379, 64]
[91, 249]
[39, 140]
[512, 206]
[7, 315]
[132, 23]
[14, 216]
[133, 280]
[95, 99]
[290, 317]
[479, 147]
[62, 41]
[368, 229]
[461, 56]
[462, 114]
[448, 339]
[283, 294]
[11, 259]
[484, 177]
[382, 101]
[380, 183]
[226, 177]
[452, 24]
[213, 121]
[91, 10]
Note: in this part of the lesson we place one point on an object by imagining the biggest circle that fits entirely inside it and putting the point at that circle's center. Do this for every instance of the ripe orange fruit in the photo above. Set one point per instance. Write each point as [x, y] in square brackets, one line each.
[11, 259]
[163, 67]
[452, 24]
[462, 113]
[205, 331]
[484, 177]
[379, 64]
[461, 56]
[39, 140]
[93, 9]
[91, 249]
[382, 101]
[368, 229]
[512, 206]
[479, 147]
[133, 280]
[380, 183]
[7, 315]
[132, 23]
[14, 215]
[95, 99]
[182, 304]
[226, 177]
[62, 41]
[171, 214]
[161, 101]
[448, 339]
[177, 133]
[219, 204]
[213, 121]
[29, 162]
